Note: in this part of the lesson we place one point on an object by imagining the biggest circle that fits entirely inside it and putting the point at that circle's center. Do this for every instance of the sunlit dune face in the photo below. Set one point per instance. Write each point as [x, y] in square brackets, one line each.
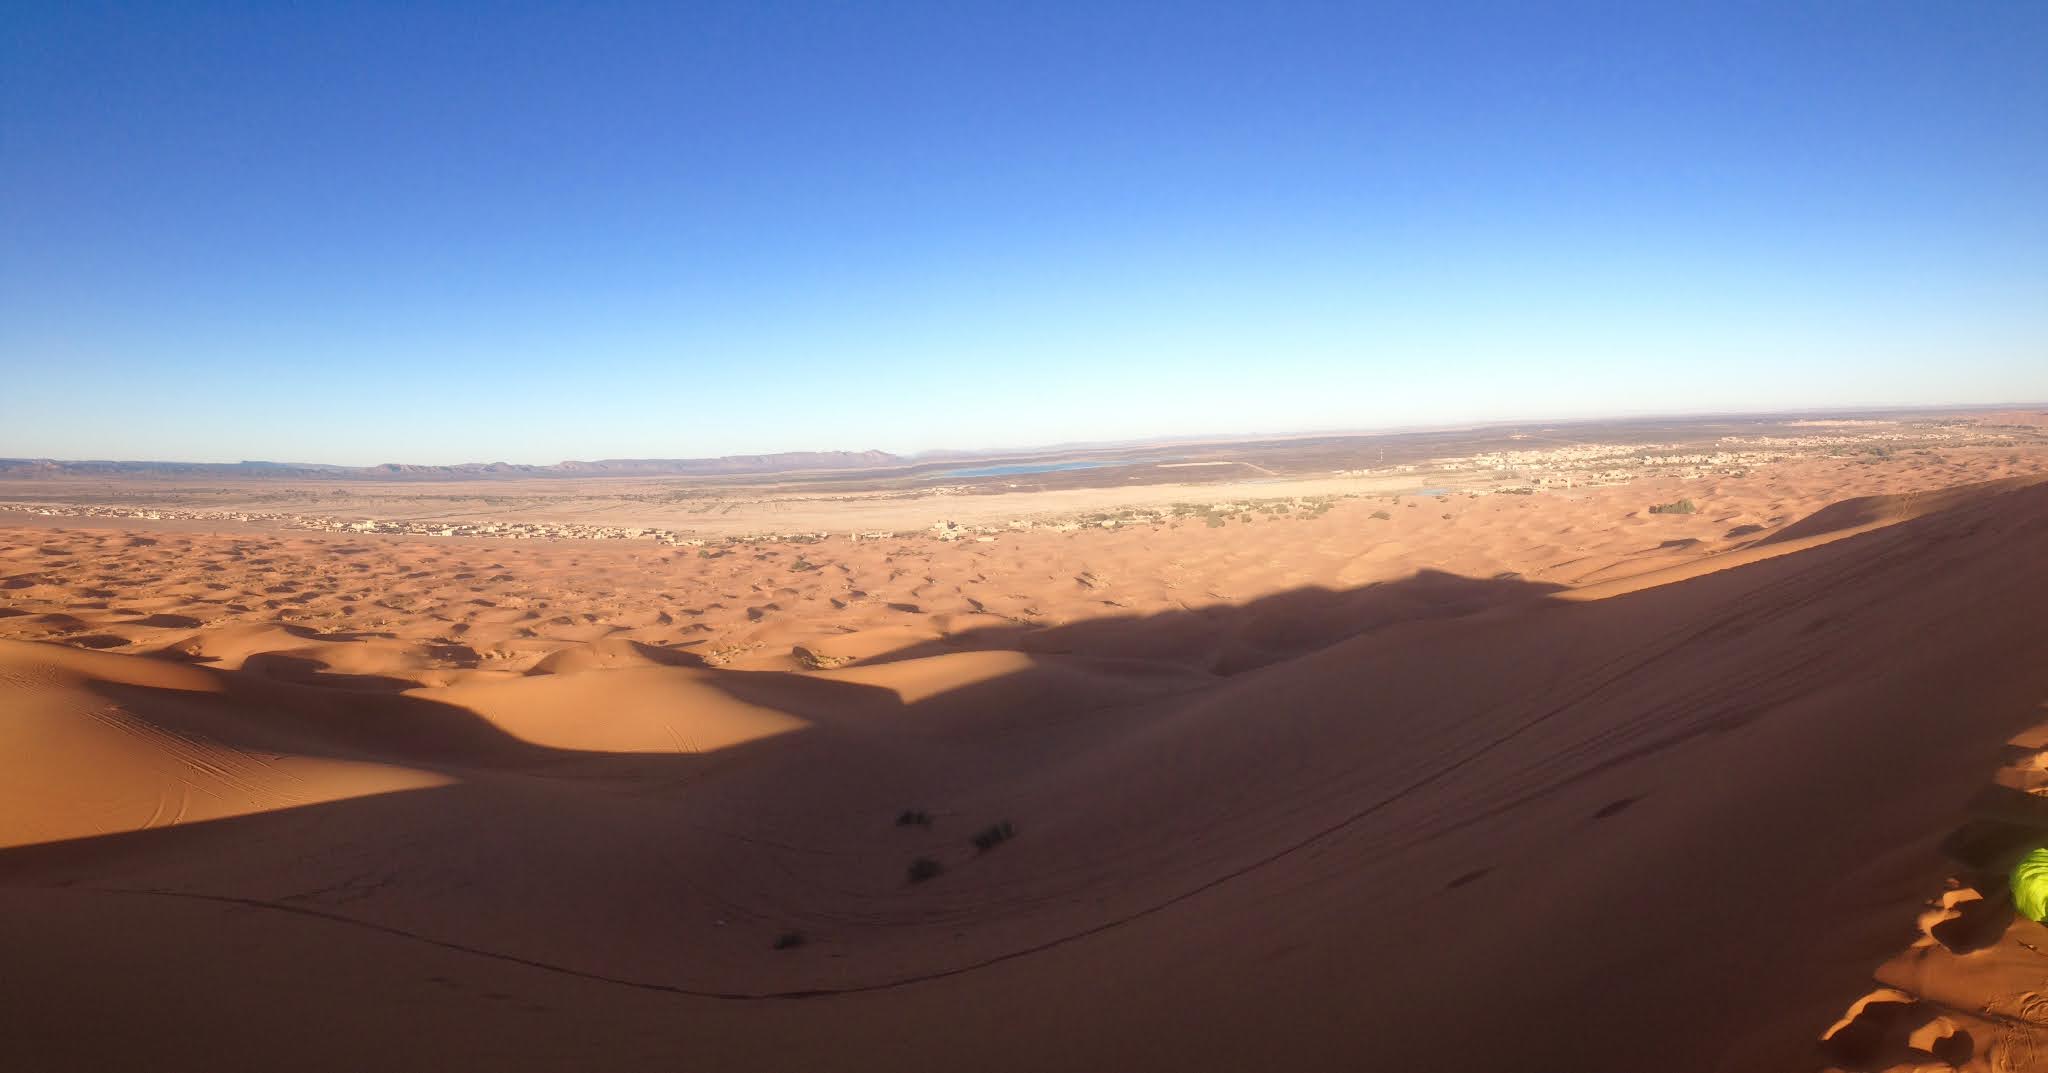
[644, 710]
[76, 765]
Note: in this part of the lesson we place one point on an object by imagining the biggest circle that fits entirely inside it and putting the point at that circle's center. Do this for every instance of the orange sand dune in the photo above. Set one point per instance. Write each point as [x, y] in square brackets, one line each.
[1437, 819]
[85, 759]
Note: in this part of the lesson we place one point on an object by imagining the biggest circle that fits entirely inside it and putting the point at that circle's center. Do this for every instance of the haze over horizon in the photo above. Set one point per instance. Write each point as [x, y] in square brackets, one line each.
[348, 235]
[944, 453]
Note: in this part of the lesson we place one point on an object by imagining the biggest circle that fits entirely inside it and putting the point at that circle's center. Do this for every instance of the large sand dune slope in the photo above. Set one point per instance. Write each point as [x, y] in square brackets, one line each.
[1675, 824]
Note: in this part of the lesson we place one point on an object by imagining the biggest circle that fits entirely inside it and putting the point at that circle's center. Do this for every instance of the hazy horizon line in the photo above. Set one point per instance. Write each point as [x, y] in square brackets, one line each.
[1191, 439]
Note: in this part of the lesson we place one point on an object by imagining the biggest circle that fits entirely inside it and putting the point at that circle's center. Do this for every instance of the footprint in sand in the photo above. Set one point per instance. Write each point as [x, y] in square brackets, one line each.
[1963, 919]
[1888, 1028]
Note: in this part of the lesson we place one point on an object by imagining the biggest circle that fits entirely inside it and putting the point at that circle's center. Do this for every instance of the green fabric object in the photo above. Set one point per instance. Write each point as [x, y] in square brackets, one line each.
[2030, 885]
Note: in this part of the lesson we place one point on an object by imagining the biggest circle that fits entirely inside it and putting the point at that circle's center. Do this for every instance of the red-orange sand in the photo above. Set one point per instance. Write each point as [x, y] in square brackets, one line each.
[1508, 783]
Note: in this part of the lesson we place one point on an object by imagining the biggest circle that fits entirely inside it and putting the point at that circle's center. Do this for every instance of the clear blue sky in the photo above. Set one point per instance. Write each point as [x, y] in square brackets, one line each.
[363, 233]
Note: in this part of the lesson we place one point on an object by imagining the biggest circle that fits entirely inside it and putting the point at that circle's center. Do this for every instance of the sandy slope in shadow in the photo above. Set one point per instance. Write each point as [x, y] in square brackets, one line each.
[1439, 821]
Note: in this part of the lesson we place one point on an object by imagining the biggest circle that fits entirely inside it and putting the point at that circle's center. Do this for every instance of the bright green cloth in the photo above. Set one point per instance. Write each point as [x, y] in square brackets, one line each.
[2030, 885]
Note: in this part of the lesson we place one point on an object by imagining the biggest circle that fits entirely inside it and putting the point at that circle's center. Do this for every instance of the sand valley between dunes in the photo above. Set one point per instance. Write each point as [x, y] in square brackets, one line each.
[1498, 771]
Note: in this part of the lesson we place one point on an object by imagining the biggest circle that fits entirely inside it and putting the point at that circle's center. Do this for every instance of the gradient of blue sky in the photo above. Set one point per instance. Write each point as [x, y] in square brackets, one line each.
[372, 232]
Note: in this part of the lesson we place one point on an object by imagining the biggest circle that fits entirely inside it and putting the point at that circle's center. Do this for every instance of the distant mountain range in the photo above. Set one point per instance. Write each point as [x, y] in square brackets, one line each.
[729, 465]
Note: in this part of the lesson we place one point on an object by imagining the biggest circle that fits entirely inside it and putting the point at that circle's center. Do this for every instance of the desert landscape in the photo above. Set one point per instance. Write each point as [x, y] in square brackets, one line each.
[1111, 537]
[1696, 746]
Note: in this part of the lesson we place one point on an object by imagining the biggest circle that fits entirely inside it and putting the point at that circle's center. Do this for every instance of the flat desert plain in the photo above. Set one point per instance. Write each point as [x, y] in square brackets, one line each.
[1460, 759]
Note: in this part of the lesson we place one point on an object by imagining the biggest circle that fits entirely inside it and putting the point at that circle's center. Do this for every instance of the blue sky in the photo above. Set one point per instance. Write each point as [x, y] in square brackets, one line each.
[377, 232]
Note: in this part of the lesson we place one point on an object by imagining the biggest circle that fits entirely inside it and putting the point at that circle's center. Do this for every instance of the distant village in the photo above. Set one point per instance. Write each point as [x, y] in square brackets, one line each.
[1486, 473]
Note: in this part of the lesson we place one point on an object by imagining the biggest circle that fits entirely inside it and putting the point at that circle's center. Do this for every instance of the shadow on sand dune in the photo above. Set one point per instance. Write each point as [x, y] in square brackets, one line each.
[861, 745]
[1440, 823]
[1227, 638]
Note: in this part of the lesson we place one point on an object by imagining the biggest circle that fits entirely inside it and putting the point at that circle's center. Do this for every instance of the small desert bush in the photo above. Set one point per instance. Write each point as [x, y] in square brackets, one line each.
[924, 868]
[994, 835]
[1683, 506]
[789, 940]
[913, 817]
[1383, 516]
